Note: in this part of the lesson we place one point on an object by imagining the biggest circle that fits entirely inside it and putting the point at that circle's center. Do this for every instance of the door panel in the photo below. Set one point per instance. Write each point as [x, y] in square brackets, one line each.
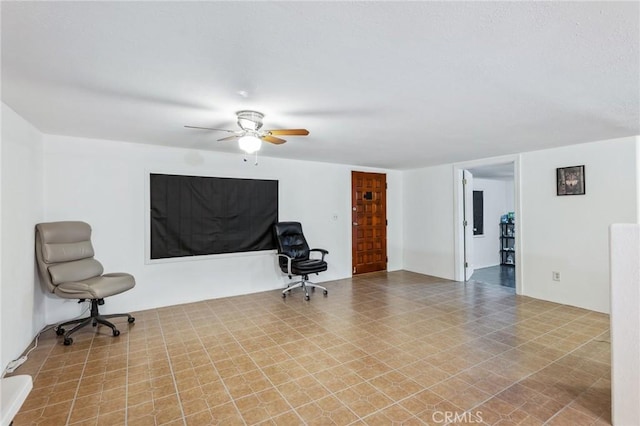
[369, 222]
[467, 209]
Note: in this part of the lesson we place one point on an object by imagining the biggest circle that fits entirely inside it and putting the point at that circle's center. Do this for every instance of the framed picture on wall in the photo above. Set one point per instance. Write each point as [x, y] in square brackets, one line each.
[570, 180]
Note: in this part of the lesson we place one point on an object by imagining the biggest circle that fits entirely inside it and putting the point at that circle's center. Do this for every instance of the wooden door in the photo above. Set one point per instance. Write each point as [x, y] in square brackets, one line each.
[368, 222]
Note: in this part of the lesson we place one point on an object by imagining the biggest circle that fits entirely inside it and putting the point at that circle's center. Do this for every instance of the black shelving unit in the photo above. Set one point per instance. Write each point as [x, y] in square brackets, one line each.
[507, 244]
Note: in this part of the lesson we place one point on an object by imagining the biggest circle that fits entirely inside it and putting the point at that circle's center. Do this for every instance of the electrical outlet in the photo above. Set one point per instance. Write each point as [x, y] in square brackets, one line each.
[555, 275]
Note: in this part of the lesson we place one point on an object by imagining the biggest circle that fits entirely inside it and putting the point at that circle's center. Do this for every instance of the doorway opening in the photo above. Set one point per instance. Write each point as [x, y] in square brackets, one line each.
[488, 251]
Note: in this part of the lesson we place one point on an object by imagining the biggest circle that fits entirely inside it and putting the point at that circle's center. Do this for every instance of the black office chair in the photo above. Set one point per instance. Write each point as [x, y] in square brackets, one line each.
[294, 257]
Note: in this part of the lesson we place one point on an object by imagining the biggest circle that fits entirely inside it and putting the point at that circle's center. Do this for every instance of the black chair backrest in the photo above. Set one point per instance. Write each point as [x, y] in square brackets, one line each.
[291, 241]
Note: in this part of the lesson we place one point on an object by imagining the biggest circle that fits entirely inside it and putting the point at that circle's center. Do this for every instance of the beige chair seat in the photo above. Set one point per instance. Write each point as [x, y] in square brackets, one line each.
[97, 287]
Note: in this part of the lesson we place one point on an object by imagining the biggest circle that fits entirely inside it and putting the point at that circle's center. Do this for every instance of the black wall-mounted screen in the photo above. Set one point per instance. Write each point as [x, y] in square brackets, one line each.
[478, 212]
[194, 215]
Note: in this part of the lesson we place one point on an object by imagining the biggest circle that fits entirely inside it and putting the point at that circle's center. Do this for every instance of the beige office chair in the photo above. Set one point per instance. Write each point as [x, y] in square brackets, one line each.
[67, 269]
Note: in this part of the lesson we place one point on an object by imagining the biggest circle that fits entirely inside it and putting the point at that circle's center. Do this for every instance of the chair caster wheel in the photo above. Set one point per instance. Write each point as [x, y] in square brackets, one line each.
[284, 295]
[131, 320]
[60, 331]
[67, 341]
[116, 333]
[313, 289]
[306, 297]
[325, 292]
[95, 323]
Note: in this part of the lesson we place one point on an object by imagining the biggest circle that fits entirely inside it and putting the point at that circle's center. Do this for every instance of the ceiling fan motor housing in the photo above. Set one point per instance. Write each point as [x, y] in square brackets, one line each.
[250, 120]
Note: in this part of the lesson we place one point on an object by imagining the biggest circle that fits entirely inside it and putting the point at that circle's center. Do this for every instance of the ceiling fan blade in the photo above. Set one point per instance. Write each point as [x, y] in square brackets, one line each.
[272, 139]
[209, 128]
[229, 138]
[293, 132]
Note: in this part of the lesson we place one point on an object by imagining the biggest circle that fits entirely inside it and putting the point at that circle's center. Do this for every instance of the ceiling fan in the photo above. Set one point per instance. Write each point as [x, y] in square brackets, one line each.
[251, 135]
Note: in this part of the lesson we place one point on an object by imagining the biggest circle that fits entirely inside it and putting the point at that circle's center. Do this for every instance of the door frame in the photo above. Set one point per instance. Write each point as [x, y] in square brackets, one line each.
[458, 216]
[467, 224]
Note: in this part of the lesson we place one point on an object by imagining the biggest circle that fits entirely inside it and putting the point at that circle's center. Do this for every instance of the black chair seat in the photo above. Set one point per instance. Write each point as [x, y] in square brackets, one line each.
[308, 266]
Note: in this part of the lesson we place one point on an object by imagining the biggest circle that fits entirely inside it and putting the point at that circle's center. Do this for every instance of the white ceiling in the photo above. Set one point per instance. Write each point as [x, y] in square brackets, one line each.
[383, 84]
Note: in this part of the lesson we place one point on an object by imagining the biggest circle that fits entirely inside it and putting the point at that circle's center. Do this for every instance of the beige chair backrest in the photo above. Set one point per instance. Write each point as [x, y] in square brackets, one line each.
[64, 253]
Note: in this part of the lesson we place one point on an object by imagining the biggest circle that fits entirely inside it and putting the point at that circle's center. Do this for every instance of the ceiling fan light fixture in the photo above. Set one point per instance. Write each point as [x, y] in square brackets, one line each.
[250, 136]
[249, 144]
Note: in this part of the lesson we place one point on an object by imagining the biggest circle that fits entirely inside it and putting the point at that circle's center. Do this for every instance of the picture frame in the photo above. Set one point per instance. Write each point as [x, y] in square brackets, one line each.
[570, 180]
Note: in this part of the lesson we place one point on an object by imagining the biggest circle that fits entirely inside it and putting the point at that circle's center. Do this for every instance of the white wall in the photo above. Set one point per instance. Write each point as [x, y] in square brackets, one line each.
[105, 184]
[565, 234]
[23, 306]
[428, 221]
[569, 234]
[496, 203]
[2, 356]
[509, 190]
[625, 323]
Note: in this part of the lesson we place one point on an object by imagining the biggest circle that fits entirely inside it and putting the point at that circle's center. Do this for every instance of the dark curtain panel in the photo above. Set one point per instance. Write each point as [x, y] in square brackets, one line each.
[193, 215]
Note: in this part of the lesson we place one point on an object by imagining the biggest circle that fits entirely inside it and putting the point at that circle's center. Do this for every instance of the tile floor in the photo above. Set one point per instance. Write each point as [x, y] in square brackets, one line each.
[381, 349]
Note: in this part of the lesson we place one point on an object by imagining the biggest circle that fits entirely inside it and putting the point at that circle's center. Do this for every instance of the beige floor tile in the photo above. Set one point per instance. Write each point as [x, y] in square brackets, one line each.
[302, 391]
[364, 399]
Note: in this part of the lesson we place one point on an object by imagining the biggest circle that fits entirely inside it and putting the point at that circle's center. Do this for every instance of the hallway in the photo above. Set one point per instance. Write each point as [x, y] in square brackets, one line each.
[498, 275]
